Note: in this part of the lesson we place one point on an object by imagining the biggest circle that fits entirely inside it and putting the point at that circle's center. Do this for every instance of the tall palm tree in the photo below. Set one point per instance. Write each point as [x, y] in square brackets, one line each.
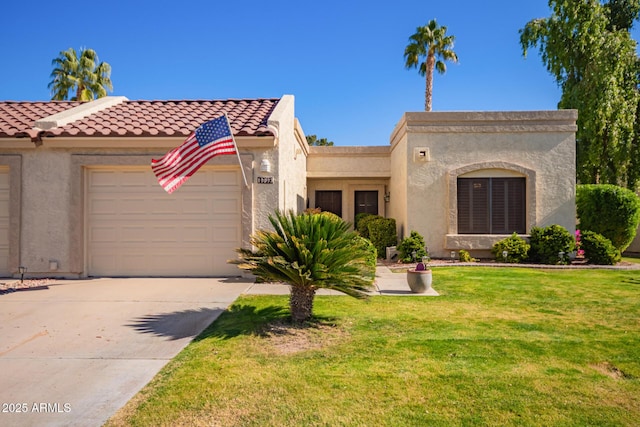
[432, 44]
[81, 75]
[308, 252]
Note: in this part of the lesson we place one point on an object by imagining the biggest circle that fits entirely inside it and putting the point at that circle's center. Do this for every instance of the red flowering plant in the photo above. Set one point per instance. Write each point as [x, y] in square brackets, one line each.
[579, 250]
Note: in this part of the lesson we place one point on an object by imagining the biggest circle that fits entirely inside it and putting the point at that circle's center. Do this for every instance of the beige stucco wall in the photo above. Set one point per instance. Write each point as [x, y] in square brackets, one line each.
[537, 145]
[398, 184]
[348, 162]
[292, 150]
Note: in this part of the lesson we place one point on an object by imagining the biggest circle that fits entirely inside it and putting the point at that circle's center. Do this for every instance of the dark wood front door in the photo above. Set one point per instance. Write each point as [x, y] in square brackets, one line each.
[366, 202]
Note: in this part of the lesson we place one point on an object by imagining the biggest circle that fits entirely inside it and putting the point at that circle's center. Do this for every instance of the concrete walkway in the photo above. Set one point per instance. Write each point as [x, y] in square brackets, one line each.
[387, 283]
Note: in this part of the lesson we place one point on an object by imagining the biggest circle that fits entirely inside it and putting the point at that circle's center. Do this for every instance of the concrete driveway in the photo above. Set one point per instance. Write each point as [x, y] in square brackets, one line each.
[74, 352]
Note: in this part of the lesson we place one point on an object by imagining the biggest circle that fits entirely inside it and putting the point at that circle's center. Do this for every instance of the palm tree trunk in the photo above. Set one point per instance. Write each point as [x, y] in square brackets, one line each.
[428, 95]
[301, 303]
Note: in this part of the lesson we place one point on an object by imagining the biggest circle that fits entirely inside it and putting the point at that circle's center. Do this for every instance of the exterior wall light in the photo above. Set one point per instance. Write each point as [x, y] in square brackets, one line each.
[387, 197]
[265, 166]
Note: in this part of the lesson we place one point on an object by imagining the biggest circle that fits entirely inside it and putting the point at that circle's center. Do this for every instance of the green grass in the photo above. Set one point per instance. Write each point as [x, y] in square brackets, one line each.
[633, 259]
[499, 347]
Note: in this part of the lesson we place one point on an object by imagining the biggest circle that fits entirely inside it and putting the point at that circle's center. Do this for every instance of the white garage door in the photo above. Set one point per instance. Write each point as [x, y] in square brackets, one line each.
[134, 228]
[4, 222]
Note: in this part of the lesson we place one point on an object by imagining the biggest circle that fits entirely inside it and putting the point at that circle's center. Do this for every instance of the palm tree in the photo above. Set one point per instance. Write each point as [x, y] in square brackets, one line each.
[309, 252]
[430, 42]
[81, 75]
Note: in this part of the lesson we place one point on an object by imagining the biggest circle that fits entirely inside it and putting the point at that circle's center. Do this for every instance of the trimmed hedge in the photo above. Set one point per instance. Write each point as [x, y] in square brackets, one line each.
[609, 210]
[598, 249]
[546, 244]
[413, 243]
[382, 233]
[362, 223]
[517, 249]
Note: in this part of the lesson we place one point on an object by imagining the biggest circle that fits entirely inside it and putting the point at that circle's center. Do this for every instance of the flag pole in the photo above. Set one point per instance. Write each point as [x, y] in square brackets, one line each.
[237, 151]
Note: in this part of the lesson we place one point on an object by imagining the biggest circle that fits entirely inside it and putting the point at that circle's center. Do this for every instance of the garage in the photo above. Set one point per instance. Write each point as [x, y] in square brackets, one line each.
[4, 222]
[134, 228]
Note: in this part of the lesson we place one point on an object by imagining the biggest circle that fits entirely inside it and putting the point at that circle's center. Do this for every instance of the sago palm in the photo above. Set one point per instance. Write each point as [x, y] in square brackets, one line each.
[309, 252]
[81, 75]
[431, 45]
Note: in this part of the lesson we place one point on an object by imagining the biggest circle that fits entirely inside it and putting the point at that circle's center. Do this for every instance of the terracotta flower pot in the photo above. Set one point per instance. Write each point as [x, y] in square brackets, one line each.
[419, 280]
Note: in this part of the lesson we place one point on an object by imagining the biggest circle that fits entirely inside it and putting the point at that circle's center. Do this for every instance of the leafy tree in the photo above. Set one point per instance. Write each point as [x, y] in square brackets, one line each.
[588, 49]
[313, 140]
[609, 210]
[431, 45]
[621, 14]
[309, 252]
[82, 76]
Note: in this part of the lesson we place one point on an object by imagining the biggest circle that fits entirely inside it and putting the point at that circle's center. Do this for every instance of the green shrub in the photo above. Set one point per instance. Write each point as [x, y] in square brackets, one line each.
[598, 249]
[372, 255]
[609, 210]
[411, 244]
[362, 223]
[517, 249]
[356, 221]
[382, 233]
[464, 256]
[547, 243]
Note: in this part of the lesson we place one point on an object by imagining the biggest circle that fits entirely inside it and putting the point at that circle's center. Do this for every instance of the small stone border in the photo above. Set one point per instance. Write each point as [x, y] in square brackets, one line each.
[575, 266]
[26, 285]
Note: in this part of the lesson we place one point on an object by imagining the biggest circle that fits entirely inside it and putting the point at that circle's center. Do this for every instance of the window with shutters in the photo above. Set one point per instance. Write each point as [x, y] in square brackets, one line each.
[491, 205]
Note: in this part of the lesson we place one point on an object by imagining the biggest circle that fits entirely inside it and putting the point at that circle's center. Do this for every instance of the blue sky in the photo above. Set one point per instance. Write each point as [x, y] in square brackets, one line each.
[342, 60]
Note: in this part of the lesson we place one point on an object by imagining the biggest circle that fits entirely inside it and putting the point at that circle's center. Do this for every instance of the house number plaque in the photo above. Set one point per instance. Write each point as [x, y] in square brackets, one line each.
[265, 180]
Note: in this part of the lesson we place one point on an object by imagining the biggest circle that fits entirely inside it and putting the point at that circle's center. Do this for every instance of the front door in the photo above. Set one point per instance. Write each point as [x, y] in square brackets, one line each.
[366, 202]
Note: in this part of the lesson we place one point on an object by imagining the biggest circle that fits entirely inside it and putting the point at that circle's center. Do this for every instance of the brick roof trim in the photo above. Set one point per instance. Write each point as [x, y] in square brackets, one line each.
[124, 118]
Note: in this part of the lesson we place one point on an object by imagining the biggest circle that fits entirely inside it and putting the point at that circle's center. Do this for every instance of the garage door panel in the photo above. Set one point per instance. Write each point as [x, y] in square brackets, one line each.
[134, 229]
[225, 206]
[195, 206]
[226, 234]
[103, 235]
[196, 234]
[229, 178]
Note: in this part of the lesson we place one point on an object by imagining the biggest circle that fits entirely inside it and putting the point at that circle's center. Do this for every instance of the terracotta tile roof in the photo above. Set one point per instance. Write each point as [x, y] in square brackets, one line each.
[17, 117]
[248, 117]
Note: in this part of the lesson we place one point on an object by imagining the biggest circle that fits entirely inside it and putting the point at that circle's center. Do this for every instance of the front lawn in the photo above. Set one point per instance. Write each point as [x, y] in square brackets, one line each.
[500, 346]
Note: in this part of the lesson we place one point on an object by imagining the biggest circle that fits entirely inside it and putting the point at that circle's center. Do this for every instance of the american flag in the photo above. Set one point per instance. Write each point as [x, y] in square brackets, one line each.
[211, 139]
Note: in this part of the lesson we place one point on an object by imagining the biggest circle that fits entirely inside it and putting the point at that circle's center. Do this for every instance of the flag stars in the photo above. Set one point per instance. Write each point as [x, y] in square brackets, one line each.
[212, 130]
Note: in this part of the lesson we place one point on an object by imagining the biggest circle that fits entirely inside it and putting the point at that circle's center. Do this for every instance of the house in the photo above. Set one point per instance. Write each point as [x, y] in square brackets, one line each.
[78, 198]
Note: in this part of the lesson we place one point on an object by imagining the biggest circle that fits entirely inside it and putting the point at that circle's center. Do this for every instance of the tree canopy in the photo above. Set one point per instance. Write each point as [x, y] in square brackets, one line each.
[313, 140]
[79, 77]
[428, 49]
[587, 47]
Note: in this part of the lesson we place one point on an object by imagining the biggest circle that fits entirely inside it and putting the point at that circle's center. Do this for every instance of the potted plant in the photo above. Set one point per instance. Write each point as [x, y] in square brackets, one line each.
[419, 279]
